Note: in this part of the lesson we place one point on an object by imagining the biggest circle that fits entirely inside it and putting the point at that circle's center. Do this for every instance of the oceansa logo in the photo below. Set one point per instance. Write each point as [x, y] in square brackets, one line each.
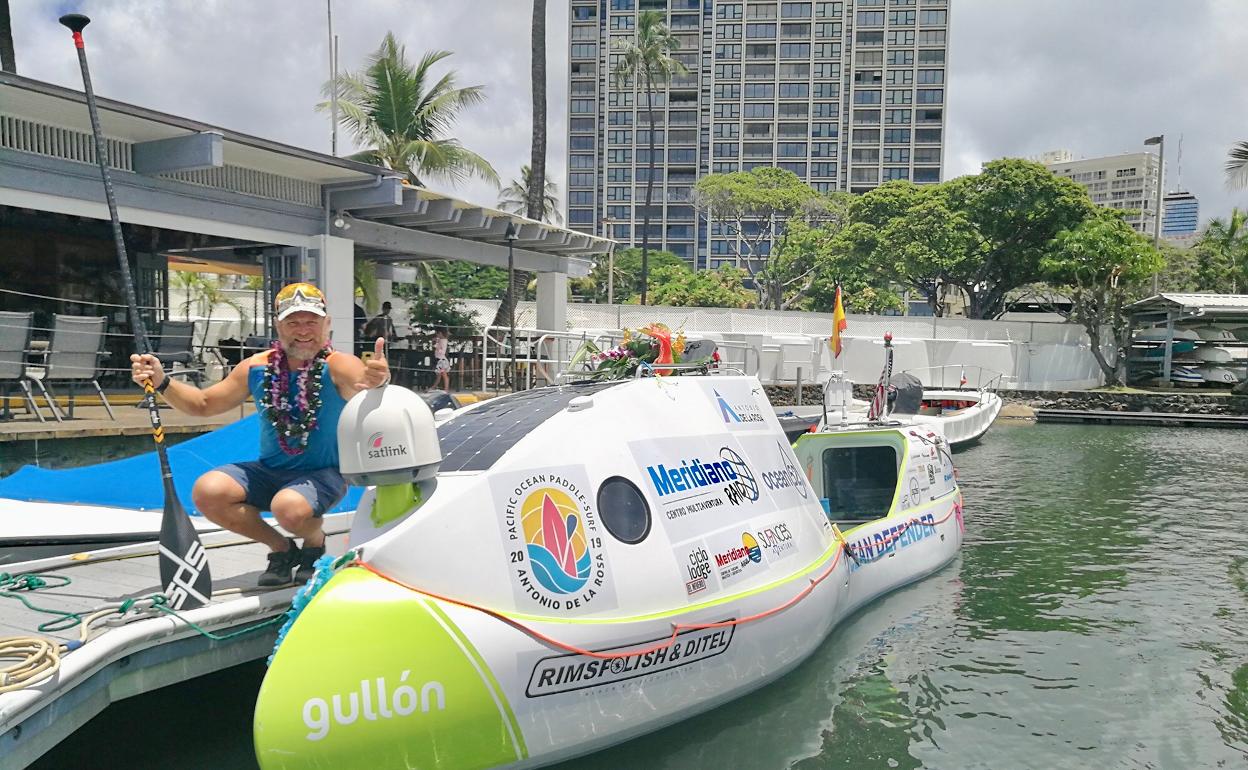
[787, 477]
[745, 412]
[556, 542]
[347, 709]
[377, 451]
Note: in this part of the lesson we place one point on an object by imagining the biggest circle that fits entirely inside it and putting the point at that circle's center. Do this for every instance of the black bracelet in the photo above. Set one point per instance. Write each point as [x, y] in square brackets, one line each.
[164, 385]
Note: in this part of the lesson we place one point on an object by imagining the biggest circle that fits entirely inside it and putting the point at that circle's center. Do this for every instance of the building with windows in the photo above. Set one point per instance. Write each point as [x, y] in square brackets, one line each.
[1126, 182]
[844, 94]
[1180, 216]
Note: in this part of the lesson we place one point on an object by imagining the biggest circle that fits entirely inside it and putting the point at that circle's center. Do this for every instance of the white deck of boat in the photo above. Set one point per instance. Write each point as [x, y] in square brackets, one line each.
[141, 655]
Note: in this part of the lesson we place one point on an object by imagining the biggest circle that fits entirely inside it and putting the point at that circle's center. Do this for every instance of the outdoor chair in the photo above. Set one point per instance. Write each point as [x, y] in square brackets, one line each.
[254, 344]
[72, 359]
[15, 329]
[175, 345]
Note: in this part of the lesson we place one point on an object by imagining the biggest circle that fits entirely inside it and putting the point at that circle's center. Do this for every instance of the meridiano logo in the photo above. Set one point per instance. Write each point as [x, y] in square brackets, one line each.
[689, 475]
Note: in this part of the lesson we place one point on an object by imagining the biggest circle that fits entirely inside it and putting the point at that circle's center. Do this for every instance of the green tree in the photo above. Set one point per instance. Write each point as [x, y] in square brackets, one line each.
[907, 233]
[761, 206]
[816, 256]
[205, 295]
[985, 234]
[514, 198]
[1016, 208]
[404, 116]
[1182, 271]
[1237, 165]
[454, 279]
[1101, 264]
[628, 271]
[428, 313]
[646, 61]
[364, 281]
[1222, 254]
[679, 286]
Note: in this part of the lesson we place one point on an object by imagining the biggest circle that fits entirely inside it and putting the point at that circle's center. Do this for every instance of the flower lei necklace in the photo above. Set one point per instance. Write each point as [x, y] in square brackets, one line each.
[292, 427]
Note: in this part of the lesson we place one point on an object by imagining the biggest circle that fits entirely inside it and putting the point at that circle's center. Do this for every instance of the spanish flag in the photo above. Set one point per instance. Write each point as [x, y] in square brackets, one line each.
[838, 324]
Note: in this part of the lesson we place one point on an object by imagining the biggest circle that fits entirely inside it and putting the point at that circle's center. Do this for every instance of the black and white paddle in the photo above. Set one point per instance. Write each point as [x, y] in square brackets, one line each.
[183, 560]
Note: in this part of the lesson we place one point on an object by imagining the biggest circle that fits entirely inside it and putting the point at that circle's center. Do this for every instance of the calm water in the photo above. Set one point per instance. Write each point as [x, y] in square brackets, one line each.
[1096, 618]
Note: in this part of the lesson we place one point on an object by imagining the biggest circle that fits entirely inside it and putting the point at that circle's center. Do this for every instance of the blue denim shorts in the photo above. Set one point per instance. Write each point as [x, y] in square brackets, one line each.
[322, 488]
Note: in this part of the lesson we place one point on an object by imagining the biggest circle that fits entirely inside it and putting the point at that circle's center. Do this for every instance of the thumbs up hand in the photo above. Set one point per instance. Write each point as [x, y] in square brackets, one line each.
[376, 370]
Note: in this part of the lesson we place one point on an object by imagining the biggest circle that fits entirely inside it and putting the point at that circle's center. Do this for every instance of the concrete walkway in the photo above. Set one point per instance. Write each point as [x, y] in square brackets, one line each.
[91, 419]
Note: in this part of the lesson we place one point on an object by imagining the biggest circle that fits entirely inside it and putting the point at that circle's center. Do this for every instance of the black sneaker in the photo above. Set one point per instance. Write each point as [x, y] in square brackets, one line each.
[280, 565]
[307, 562]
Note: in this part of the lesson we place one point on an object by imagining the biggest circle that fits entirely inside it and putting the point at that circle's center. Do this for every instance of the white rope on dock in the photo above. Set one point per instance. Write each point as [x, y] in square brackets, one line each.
[37, 659]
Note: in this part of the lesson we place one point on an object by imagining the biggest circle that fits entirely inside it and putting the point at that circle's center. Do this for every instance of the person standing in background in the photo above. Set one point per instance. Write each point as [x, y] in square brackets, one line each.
[361, 320]
[441, 363]
[381, 326]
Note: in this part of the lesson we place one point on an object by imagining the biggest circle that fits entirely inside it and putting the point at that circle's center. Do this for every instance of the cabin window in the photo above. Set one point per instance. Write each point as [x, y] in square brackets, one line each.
[859, 482]
[623, 510]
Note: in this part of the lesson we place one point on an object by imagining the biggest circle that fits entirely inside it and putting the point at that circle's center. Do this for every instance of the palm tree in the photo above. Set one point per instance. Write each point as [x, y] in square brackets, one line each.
[1237, 166]
[403, 115]
[7, 60]
[1225, 252]
[538, 195]
[514, 198]
[206, 295]
[648, 58]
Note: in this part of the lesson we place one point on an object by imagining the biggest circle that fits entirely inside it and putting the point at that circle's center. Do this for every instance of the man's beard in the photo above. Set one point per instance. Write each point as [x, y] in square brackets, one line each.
[304, 351]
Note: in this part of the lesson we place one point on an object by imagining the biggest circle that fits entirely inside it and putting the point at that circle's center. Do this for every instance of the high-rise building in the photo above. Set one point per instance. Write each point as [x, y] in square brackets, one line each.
[1180, 215]
[844, 94]
[1119, 182]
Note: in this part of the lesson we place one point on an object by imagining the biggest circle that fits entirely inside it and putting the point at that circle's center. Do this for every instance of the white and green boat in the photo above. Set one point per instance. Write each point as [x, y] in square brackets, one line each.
[590, 563]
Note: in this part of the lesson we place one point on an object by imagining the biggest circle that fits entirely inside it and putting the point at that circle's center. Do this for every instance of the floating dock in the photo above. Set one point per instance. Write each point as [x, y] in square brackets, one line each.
[141, 650]
[1169, 419]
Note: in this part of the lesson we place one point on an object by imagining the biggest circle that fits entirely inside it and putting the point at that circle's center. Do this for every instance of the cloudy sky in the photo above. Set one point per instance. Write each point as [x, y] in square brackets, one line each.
[1092, 76]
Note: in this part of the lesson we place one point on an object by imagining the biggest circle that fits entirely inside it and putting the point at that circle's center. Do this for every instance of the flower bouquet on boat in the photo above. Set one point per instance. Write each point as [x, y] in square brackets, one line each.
[554, 571]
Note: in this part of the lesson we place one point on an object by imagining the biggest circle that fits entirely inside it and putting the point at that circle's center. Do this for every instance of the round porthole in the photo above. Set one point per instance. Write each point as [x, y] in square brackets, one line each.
[623, 510]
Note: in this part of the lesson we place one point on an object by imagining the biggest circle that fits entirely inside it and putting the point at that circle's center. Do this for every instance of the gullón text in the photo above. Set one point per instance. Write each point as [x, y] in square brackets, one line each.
[318, 714]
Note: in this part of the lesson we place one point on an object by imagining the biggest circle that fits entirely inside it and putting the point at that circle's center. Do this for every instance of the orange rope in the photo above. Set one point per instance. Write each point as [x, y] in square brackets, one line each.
[677, 628]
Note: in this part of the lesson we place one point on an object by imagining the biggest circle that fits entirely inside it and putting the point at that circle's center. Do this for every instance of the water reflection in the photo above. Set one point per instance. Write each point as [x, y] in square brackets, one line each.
[1095, 619]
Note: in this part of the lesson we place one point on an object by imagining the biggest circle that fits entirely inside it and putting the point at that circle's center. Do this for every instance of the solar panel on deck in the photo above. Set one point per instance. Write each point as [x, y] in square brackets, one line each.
[476, 439]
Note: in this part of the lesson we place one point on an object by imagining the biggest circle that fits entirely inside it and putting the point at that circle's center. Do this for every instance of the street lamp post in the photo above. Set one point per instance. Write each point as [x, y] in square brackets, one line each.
[608, 225]
[511, 236]
[1160, 141]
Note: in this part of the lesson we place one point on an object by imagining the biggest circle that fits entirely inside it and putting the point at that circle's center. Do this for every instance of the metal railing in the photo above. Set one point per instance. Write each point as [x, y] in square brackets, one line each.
[544, 354]
[540, 353]
[981, 382]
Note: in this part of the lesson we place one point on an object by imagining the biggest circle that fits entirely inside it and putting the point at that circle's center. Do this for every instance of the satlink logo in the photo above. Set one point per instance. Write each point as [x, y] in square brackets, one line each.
[377, 451]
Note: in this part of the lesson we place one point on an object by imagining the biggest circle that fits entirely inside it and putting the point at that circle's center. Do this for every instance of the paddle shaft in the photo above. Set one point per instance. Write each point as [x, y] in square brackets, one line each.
[183, 561]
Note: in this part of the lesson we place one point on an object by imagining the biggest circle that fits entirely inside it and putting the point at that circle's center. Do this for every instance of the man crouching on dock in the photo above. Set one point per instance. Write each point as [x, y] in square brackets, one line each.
[297, 474]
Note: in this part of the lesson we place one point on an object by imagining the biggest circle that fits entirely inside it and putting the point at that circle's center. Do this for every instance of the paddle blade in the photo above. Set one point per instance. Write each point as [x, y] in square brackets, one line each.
[183, 559]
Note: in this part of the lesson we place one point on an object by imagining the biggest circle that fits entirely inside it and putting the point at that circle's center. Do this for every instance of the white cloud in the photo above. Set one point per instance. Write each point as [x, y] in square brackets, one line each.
[1093, 77]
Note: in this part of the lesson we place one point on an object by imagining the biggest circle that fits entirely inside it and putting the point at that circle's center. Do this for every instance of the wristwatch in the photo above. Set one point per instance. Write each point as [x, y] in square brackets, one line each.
[164, 385]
